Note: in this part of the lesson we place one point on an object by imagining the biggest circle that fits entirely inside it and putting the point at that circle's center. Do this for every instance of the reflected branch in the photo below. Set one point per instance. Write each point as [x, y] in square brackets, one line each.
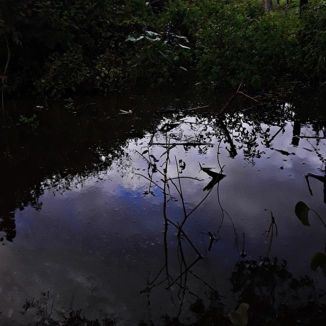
[271, 233]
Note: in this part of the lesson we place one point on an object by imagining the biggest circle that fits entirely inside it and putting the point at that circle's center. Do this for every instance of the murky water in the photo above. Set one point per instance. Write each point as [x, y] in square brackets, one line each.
[134, 216]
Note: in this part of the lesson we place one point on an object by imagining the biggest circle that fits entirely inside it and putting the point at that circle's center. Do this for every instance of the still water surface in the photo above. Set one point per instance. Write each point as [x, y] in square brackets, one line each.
[133, 216]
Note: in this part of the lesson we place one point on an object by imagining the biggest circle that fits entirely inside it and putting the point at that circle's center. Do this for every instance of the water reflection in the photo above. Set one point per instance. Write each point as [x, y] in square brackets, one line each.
[138, 222]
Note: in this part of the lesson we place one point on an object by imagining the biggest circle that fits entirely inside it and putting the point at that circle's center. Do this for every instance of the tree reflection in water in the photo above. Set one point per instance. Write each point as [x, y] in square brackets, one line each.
[274, 295]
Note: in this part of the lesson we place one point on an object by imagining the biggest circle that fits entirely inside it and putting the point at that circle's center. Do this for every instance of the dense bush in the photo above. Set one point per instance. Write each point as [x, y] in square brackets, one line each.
[56, 47]
[59, 46]
[312, 42]
[241, 44]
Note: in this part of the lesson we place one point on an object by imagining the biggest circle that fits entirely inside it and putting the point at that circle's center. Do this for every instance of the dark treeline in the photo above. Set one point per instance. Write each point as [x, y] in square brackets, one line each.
[57, 47]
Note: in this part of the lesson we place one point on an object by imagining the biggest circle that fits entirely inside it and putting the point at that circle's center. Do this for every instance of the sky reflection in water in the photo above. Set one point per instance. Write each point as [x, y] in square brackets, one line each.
[96, 246]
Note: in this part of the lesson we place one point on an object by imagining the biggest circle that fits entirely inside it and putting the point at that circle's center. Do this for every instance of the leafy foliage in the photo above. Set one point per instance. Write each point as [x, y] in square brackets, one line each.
[59, 47]
[312, 37]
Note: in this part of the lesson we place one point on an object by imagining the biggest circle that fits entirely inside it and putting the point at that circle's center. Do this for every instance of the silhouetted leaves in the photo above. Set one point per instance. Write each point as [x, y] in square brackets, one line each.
[319, 261]
[302, 212]
[216, 178]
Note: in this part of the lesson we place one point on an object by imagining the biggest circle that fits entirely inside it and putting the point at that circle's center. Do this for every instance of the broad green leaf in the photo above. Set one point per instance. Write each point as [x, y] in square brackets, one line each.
[302, 212]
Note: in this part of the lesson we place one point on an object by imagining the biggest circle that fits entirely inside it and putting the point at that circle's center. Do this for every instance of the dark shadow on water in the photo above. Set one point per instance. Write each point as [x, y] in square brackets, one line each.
[266, 294]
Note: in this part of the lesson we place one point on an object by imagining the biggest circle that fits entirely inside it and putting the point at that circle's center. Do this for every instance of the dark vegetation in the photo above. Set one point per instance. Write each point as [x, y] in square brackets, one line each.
[56, 47]
[269, 293]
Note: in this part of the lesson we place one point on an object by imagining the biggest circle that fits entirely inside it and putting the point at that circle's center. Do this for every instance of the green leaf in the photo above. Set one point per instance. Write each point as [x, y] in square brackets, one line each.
[319, 260]
[302, 212]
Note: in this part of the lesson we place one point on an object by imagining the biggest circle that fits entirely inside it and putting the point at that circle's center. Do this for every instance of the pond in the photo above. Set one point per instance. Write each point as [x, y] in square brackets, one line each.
[138, 207]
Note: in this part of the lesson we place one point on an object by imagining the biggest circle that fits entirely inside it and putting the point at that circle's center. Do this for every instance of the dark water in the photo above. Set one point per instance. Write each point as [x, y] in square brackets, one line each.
[135, 216]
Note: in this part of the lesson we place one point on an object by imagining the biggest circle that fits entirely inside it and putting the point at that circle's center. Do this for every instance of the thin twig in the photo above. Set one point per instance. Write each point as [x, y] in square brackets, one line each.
[185, 271]
[150, 180]
[197, 108]
[184, 177]
[230, 100]
[4, 76]
[182, 144]
[247, 96]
